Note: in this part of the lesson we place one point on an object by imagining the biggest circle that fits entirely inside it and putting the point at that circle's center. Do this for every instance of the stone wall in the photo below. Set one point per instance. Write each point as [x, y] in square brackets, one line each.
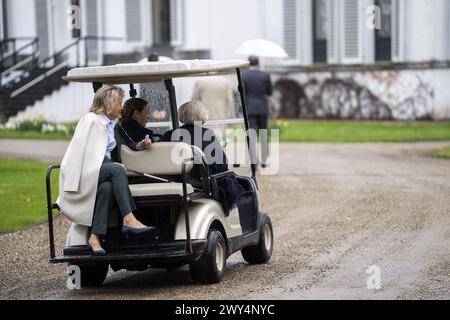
[368, 95]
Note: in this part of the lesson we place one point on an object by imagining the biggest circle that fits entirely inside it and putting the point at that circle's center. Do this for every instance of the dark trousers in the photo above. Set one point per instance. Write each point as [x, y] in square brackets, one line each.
[259, 122]
[112, 188]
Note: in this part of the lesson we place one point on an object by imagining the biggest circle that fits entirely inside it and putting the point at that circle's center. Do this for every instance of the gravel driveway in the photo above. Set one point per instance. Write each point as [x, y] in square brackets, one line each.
[336, 210]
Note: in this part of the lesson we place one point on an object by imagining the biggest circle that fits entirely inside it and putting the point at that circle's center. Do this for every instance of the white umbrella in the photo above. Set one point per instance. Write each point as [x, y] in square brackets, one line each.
[261, 48]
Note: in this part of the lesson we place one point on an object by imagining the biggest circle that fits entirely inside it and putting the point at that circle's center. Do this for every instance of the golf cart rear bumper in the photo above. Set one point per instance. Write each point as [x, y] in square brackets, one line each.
[173, 252]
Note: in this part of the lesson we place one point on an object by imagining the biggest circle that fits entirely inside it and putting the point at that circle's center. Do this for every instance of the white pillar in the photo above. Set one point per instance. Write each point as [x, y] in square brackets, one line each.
[425, 22]
[114, 25]
[441, 34]
[273, 22]
[62, 35]
[197, 19]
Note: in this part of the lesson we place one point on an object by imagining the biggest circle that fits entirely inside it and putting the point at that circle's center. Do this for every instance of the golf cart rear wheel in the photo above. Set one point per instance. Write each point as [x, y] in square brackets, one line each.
[261, 252]
[93, 276]
[210, 268]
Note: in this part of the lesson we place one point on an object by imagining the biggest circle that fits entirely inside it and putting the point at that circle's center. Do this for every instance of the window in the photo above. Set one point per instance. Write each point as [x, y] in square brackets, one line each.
[76, 32]
[161, 22]
[383, 36]
[320, 31]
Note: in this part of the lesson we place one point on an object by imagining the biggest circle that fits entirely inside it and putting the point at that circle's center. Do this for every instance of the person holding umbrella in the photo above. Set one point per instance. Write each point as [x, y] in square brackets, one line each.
[258, 87]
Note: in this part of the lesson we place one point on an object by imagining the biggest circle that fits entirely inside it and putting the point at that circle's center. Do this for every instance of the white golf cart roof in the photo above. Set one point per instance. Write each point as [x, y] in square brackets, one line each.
[129, 73]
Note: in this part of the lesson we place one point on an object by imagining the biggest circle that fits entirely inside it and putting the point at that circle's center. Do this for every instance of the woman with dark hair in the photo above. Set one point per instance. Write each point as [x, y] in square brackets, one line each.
[132, 130]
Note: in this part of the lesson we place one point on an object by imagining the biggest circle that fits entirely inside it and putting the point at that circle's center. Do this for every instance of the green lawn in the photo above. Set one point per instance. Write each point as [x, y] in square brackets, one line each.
[22, 194]
[319, 131]
[15, 134]
[359, 131]
[443, 153]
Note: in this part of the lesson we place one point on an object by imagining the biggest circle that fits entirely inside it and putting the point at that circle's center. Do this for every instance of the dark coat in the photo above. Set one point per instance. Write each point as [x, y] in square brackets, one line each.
[229, 191]
[115, 154]
[257, 86]
[132, 132]
[208, 141]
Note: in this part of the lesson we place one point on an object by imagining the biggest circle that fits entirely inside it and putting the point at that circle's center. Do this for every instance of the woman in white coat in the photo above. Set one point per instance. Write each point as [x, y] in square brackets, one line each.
[89, 180]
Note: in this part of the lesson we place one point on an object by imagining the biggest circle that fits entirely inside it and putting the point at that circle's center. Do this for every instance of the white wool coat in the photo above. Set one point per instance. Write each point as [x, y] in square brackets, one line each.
[80, 167]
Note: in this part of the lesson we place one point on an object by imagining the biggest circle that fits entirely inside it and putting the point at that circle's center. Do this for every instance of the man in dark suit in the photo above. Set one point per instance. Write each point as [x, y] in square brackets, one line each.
[258, 87]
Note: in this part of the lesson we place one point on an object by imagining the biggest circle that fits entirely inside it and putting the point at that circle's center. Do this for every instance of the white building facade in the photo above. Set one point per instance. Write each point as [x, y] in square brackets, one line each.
[397, 70]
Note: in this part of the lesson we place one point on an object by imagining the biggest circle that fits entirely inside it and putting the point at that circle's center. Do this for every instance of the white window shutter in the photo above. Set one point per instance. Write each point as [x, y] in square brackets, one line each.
[42, 23]
[290, 24]
[351, 31]
[397, 30]
[305, 34]
[176, 22]
[333, 31]
[92, 29]
[133, 20]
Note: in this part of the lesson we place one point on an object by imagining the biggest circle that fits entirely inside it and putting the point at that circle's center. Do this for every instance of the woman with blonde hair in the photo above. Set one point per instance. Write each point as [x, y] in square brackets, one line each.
[90, 181]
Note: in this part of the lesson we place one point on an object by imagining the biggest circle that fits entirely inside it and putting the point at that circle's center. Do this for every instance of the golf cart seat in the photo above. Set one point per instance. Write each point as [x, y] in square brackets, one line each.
[163, 159]
[159, 189]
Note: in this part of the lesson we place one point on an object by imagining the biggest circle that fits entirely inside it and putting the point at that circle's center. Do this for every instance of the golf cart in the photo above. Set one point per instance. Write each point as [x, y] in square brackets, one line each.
[175, 191]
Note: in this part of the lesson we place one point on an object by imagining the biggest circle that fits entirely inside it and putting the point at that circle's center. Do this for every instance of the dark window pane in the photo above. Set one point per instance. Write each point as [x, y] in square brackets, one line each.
[320, 31]
[76, 33]
[161, 22]
[383, 36]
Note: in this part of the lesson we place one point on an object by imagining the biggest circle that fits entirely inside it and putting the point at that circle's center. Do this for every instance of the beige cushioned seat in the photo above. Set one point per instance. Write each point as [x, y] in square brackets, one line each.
[159, 189]
[164, 158]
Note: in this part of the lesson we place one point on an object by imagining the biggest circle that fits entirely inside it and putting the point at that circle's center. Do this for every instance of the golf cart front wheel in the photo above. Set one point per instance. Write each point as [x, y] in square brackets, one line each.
[262, 252]
[210, 268]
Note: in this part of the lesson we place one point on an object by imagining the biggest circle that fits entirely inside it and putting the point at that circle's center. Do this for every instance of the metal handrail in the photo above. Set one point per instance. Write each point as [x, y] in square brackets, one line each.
[15, 52]
[34, 44]
[5, 41]
[35, 81]
[16, 66]
[53, 57]
[76, 43]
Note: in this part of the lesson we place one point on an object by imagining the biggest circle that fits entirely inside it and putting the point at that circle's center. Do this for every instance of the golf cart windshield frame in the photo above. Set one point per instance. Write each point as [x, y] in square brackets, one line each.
[174, 109]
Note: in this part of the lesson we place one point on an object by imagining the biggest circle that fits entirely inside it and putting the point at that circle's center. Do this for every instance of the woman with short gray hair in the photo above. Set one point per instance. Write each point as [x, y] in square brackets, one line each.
[192, 112]
[90, 182]
[193, 115]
